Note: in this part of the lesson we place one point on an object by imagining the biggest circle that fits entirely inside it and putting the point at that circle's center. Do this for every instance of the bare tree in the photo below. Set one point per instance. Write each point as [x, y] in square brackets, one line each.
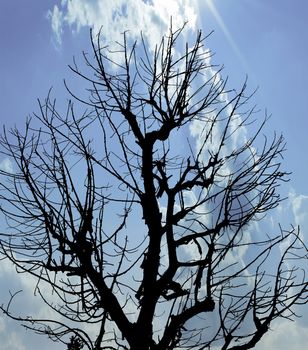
[140, 212]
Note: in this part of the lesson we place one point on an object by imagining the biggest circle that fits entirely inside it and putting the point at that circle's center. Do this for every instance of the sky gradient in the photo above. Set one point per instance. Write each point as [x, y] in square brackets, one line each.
[266, 40]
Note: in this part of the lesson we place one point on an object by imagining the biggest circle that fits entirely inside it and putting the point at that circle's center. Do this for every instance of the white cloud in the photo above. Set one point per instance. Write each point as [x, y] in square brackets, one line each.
[56, 18]
[299, 205]
[6, 165]
[2, 325]
[11, 341]
[153, 18]
[285, 336]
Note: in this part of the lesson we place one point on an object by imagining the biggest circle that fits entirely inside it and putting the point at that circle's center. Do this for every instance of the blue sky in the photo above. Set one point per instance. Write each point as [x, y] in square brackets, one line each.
[264, 39]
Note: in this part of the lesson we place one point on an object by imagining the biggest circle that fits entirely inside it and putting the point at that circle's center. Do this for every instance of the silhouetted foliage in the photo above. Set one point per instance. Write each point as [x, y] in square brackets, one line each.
[75, 343]
[140, 213]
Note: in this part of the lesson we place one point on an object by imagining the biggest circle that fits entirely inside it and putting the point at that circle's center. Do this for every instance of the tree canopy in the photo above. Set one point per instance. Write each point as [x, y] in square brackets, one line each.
[139, 212]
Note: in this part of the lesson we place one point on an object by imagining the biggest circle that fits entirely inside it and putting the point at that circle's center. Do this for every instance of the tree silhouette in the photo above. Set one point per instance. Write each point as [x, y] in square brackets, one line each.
[140, 212]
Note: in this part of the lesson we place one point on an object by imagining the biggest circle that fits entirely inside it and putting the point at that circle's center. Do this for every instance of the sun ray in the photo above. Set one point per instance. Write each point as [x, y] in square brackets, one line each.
[218, 18]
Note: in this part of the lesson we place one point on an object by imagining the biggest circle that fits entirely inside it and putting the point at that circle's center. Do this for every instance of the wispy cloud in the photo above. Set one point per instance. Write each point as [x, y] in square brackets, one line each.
[117, 16]
[56, 20]
[11, 341]
[285, 336]
[6, 165]
[299, 206]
